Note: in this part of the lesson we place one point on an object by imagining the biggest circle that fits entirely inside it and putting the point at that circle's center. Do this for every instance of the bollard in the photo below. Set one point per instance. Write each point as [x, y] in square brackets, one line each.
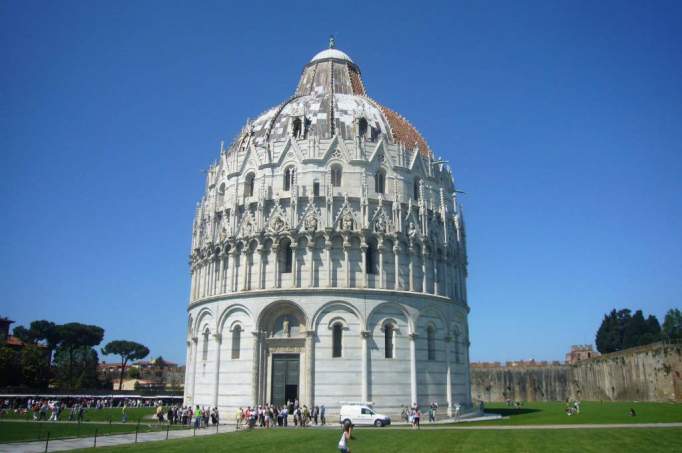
[137, 428]
[95, 444]
[195, 430]
[167, 429]
[216, 427]
[47, 441]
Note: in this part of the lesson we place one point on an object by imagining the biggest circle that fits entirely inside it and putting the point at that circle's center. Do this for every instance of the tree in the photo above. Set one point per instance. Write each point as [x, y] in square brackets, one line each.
[9, 367]
[40, 331]
[672, 324]
[34, 368]
[610, 334]
[23, 334]
[128, 351]
[620, 330]
[49, 333]
[134, 373]
[633, 330]
[75, 353]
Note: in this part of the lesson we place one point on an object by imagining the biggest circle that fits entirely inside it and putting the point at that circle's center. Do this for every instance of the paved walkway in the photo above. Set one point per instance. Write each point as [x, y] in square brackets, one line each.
[121, 439]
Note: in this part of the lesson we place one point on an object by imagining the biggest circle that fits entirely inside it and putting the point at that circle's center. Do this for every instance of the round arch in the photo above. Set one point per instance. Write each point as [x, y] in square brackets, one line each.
[403, 310]
[203, 313]
[229, 311]
[315, 319]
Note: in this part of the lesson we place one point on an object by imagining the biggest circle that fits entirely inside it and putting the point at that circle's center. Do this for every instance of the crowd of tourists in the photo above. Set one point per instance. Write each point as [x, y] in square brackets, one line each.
[270, 416]
[413, 414]
[199, 417]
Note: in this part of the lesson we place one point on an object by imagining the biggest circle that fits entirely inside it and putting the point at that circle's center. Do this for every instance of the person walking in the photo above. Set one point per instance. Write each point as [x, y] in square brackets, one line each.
[323, 418]
[344, 442]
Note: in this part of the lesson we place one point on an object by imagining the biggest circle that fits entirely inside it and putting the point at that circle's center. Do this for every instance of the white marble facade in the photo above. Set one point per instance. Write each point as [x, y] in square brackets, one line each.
[329, 238]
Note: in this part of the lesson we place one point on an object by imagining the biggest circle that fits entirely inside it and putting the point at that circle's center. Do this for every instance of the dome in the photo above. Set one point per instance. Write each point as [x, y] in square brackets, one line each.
[330, 99]
[331, 53]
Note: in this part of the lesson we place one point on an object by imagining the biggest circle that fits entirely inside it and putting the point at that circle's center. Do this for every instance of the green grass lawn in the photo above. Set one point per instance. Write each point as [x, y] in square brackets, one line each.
[590, 412]
[27, 431]
[94, 415]
[405, 440]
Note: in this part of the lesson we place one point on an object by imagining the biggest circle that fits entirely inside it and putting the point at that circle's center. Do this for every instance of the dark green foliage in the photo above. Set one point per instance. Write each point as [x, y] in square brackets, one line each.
[672, 324]
[10, 372]
[621, 330]
[75, 360]
[35, 370]
[23, 334]
[76, 368]
[128, 351]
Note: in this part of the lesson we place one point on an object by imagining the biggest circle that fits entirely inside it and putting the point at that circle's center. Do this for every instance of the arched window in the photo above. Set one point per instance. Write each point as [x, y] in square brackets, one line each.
[337, 339]
[316, 188]
[296, 128]
[236, 341]
[289, 174]
[221, 191]
[415, 189]
[388, 341]
[362, 127]
[336, 175]
[380, 181]
[204, 346]
[248, 185]
[285, 256]
[431, 342]
[371, 258]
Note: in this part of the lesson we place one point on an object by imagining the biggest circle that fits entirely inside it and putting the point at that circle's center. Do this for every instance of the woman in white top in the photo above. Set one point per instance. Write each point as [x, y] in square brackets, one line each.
[344, 442]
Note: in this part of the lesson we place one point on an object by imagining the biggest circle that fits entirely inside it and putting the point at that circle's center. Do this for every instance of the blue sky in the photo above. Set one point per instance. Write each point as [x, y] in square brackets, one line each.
[562, 122]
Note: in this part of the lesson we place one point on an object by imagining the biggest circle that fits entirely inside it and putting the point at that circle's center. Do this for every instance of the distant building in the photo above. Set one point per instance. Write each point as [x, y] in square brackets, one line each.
[156, 374]
[580, 352]
[5, 338]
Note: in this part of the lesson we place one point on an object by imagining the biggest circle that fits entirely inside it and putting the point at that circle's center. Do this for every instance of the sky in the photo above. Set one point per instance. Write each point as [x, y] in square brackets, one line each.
[562, 121]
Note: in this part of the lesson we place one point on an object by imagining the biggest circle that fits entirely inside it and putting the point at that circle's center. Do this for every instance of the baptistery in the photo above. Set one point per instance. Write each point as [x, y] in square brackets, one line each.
[328, 260]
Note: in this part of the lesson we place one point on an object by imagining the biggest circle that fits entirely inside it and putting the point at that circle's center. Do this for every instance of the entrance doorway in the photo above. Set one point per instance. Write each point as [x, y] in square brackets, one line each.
[285, 370]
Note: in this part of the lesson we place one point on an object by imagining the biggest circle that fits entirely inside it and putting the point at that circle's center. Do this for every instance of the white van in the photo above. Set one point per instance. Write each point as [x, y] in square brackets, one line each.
[362, 414]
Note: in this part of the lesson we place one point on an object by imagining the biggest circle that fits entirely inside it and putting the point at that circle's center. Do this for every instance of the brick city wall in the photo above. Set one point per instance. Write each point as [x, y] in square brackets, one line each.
[647, 373]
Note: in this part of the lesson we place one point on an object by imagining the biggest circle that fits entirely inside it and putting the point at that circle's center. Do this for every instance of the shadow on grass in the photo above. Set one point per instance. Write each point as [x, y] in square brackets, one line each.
[510, 412]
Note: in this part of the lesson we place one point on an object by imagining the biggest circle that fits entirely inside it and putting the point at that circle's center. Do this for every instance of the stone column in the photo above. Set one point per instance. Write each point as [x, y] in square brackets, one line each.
[328, 257]
[413, 368]
[448, 374]
[425, 258]
[195, 342]
[191, 284]
[412, 252]
[261, 267]
[233, 271]
[255, 368]
[311, 259]
[363, 265]
[435, 264]
[220, 272]
[246, 271]
[211, 275]
[262, 395]
[396, 271]
[188, 376]
[294, 263]
[310, 367]
[218, 341]
[275, 251]
[346, 252]
[380, 249]
[364, 385]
